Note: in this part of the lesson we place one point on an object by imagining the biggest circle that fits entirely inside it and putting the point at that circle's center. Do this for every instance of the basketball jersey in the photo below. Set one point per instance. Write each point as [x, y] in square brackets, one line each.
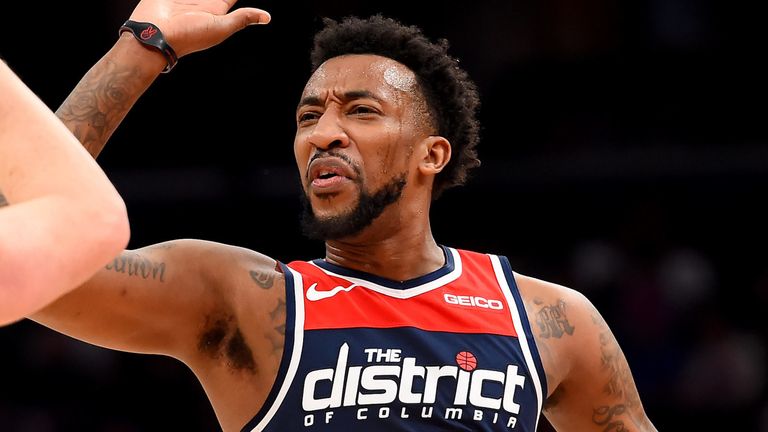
[449, 351]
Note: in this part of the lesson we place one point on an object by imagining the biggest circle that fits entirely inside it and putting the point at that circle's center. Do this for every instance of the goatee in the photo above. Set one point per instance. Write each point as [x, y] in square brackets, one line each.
[368, 208]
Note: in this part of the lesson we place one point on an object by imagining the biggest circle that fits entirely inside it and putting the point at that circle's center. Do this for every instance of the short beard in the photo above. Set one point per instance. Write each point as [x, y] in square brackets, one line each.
[368, 208]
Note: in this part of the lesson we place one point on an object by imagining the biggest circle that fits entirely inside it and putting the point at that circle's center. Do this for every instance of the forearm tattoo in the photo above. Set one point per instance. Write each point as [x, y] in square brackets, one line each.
[552, 320]
[98, 104]
[134, 264]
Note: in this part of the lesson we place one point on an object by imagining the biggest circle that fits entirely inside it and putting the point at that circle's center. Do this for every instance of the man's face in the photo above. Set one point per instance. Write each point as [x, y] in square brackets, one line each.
[357, 123]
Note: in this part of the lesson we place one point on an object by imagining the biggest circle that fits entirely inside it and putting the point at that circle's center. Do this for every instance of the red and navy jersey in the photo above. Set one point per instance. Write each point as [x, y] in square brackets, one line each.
[450, 351]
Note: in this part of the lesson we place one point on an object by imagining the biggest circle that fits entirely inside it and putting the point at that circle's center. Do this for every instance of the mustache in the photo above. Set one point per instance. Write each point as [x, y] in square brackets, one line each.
[320, 154]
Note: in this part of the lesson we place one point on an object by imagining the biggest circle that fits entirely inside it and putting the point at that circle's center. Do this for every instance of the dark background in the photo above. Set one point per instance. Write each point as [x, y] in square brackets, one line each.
[625, 154]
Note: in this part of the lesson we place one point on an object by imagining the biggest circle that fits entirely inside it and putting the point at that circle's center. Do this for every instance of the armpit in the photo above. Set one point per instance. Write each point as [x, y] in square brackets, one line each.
[221, 339]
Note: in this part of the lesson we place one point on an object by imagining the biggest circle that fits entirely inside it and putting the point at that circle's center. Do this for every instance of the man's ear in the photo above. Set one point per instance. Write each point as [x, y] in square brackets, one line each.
[437, 153]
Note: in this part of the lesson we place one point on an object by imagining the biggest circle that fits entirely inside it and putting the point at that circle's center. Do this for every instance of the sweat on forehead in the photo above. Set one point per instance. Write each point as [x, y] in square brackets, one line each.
[373, 67]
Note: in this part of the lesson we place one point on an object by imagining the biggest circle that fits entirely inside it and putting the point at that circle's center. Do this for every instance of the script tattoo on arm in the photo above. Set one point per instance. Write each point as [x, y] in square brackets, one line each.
[136, 265]
[552, 320]
[98, 104]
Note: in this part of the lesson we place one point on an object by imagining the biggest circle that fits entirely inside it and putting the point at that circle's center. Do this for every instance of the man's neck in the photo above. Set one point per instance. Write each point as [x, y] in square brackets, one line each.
[399, 258]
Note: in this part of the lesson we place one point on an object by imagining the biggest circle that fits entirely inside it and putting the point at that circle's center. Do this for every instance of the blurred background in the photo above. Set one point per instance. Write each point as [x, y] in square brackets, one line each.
[625, 154]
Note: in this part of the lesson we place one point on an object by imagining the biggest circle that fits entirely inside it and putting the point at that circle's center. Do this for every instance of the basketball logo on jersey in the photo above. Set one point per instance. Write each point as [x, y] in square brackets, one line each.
[401, 387]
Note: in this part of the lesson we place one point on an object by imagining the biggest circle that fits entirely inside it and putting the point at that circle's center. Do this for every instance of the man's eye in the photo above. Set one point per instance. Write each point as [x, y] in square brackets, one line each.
[362, 109]
[308, 116]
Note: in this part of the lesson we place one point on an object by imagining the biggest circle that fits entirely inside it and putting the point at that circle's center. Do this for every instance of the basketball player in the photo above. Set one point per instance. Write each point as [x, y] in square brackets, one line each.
[391, 330]
[60, 218]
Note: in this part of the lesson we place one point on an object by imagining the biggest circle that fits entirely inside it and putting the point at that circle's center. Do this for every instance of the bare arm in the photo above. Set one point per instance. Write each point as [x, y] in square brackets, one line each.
[120, 308]
[56, 204]
[103, 97]
[159, 298]
[590, 383]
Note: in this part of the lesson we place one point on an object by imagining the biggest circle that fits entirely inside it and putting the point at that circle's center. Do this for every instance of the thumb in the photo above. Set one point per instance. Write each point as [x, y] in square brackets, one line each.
[241, 18]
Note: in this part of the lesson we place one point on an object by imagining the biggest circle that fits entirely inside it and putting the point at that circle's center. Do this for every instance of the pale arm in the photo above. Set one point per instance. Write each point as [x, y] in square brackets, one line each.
[60, 218]
[151, 299]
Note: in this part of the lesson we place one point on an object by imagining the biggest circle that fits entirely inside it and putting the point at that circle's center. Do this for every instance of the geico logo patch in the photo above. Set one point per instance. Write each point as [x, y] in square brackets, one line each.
[476, 301]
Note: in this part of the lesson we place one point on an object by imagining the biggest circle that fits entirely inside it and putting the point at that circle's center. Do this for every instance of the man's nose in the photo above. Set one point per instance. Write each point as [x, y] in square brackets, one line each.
[328, 132]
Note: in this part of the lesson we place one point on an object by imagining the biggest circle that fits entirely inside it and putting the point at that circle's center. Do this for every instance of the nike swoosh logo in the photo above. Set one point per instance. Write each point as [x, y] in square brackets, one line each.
[314, 295]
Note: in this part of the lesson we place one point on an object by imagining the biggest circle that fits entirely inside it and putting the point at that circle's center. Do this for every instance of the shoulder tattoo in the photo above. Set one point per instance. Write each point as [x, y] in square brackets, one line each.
[553, 319]
[263, 279]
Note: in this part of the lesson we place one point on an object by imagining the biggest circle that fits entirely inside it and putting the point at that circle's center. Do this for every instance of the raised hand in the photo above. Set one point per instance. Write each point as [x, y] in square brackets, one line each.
[195, 25]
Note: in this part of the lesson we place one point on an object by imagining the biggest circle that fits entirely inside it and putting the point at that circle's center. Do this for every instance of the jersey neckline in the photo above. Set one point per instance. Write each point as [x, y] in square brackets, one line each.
[449, 272]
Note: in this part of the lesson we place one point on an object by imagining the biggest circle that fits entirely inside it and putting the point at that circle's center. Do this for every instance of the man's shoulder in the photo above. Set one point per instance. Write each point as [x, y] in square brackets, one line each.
[217, 256]
[532, 286]
[541, 291]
